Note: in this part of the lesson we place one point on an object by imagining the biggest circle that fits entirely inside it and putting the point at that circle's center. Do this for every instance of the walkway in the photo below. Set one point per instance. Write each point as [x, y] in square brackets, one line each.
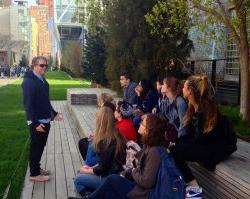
[61, 157]
[6, 81]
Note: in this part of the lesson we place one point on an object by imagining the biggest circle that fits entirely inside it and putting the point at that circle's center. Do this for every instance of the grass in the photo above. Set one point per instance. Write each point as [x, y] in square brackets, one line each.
[232, 112]
[14, 132]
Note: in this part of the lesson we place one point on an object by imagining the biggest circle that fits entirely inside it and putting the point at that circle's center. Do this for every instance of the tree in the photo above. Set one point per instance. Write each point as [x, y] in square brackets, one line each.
[71, 59]
[94, 54]
[120, 28]
[204, 13]
[131, 47]
[24, 61]
[50, 61]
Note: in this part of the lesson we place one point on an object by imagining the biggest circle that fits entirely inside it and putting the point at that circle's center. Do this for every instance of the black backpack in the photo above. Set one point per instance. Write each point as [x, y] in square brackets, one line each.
[230, 135]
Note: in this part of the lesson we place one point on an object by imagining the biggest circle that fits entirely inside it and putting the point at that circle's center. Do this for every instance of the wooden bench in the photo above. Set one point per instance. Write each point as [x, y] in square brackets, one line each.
[231, 178]
[78, 96]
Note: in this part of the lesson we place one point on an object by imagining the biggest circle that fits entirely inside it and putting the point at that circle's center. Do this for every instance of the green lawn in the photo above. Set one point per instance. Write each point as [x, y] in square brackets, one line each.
[14, 131]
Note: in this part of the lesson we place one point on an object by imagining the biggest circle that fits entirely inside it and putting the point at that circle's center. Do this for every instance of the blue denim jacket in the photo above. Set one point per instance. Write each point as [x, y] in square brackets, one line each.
[175, 112]
[129, 94]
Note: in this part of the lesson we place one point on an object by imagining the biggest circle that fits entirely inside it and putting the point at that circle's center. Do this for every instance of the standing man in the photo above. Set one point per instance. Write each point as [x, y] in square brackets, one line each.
[129, 94]
[39, 114]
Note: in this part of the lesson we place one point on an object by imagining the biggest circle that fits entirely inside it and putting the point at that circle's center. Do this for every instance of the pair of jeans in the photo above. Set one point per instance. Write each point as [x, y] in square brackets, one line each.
[115, 187]
[84, 182]
[37, 143]
[87, 152]
[188, 150]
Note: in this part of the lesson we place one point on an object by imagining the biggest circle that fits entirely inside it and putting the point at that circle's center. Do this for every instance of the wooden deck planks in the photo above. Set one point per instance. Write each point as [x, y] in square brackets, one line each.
[61, 157]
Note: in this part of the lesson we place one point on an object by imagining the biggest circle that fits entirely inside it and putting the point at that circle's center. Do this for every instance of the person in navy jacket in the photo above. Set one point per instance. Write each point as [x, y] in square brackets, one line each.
[39, 114]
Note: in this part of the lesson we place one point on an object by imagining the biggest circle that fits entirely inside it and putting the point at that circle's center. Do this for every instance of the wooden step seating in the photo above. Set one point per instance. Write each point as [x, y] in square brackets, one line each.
[231, 178]
[78, 96]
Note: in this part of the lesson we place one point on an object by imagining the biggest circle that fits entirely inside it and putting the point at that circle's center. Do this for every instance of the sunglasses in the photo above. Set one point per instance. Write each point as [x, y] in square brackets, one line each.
[43, 65]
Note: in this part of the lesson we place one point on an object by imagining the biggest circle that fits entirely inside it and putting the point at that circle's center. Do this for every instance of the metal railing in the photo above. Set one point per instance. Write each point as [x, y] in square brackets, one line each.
[215, 69]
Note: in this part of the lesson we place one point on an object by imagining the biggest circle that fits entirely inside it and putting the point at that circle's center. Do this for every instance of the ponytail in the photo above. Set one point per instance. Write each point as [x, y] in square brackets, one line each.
[202, 92]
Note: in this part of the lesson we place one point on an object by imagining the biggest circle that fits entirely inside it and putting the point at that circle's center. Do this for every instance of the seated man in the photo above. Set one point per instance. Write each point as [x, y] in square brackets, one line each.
[129, 94]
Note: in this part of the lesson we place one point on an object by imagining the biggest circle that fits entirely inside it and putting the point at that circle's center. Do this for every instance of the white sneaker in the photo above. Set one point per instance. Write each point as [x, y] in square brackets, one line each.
[193, 192]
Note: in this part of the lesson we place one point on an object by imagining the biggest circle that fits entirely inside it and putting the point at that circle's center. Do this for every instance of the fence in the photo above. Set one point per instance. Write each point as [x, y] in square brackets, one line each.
[227, 86]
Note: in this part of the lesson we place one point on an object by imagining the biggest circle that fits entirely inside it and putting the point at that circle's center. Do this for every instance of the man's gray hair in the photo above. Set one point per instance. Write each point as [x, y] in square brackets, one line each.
[35, 60]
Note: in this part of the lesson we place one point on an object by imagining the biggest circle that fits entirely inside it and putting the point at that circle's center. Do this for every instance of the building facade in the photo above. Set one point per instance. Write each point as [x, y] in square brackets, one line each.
[50, 6]
[40, 17]
[15, 33]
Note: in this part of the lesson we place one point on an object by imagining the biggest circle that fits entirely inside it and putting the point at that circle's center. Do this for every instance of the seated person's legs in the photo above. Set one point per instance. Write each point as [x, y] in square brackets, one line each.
[114, 186]
[86, 182]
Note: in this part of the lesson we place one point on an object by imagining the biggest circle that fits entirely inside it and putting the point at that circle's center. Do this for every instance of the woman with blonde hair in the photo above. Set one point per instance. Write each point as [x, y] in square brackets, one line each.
[104, 99]
[208, 144]
[110, 146]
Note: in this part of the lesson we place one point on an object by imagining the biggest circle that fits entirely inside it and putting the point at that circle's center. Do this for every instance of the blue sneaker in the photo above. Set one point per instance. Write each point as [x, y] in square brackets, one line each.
[193, 192]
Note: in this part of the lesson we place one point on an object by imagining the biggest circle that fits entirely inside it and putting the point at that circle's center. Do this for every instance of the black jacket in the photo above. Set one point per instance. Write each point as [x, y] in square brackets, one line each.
[108, 164]
[215, 140]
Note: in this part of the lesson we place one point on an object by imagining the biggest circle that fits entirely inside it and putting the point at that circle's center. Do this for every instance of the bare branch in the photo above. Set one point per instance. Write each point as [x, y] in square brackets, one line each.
[223, 18]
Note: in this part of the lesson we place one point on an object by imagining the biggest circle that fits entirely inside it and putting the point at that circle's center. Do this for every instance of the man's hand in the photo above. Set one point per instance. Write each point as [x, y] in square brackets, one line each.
[40, 128]
[58, 117]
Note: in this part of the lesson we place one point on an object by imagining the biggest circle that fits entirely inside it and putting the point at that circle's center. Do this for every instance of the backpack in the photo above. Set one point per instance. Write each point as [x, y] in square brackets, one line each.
[170, 183]
[171, 134]
[230, 135]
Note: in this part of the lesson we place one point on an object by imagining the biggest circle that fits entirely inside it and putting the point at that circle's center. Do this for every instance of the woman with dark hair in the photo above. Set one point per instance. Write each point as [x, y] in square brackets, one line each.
[147, 99]
[123, 122]
[137, 182]
[208, 144]
[161, 107]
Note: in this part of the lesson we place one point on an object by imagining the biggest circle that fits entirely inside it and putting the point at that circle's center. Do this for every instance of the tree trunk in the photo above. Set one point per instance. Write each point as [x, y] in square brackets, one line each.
[244, 74]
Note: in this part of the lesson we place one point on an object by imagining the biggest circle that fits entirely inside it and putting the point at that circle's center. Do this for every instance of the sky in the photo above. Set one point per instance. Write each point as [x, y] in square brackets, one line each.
[32, 2]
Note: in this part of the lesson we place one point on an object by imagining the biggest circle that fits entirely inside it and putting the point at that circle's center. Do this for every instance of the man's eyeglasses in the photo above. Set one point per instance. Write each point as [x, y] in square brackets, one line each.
[43, 65]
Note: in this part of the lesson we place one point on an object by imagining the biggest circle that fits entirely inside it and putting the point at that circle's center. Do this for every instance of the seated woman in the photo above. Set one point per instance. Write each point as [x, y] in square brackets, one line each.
[137, 182]
[104, 99]
[208, 143]
[176, 107]
[161, 107]
[147, 99]
[123, 122]
[110, 146]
